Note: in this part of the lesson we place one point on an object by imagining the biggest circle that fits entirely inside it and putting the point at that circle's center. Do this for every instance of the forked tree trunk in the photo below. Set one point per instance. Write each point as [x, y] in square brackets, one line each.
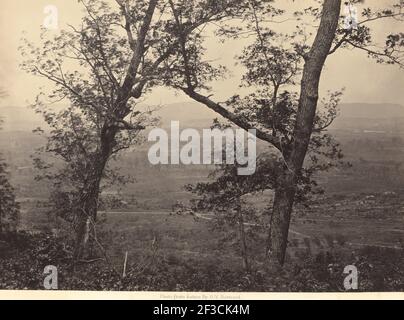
[286, 190]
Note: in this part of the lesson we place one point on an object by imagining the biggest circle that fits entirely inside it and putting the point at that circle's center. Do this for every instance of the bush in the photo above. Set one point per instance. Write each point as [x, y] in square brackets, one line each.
[25, 256]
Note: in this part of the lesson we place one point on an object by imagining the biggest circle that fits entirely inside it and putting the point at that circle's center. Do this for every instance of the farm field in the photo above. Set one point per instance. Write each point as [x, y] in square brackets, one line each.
[362, 209]
[351, 224]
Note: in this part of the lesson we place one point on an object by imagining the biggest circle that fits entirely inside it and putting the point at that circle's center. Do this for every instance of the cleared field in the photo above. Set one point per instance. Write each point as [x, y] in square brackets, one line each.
[191, 238]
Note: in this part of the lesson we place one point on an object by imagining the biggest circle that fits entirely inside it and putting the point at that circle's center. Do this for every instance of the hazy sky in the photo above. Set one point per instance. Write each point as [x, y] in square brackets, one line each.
[365, 81]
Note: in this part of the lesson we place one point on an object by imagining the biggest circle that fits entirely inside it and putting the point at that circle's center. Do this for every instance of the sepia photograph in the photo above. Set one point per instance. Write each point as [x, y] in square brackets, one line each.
[192, 147]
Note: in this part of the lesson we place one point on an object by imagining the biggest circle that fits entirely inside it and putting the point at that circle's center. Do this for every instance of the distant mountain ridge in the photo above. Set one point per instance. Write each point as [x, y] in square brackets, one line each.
[191, 114]
[371, 111]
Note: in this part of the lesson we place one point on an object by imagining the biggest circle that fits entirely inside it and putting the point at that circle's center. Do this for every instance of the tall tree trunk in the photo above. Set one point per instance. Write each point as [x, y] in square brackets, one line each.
[108, 133]
[86, 217]
[280, 218]
[285, 192]
[87, 213]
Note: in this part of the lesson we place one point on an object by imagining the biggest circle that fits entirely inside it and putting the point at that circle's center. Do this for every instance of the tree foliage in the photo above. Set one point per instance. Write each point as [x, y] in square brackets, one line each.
[282, 72]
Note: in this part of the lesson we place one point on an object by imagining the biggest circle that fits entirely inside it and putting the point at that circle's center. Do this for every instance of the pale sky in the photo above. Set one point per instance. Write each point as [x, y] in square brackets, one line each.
[365, 81]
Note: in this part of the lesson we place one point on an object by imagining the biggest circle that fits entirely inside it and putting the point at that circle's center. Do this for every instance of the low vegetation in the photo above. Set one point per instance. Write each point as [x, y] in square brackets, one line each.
[24, 256]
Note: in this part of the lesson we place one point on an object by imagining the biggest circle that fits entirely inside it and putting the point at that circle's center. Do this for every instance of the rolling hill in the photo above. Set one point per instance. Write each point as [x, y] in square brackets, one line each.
[358, 116]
